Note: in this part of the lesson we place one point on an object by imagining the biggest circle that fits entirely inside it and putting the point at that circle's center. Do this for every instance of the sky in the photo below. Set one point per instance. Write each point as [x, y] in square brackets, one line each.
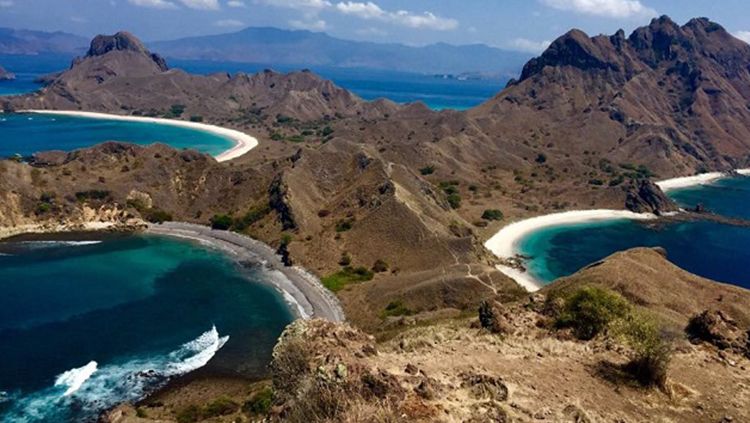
[523, 25]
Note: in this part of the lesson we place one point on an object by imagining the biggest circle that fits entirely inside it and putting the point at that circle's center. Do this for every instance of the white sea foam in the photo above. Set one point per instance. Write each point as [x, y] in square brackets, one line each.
[90, 389]
[59, 243]
[74, 378]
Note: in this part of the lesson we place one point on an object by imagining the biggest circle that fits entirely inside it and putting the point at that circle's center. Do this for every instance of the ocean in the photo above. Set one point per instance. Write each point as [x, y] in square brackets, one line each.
[90, 323]
[712, 250]
[436, 91]
[26, 134]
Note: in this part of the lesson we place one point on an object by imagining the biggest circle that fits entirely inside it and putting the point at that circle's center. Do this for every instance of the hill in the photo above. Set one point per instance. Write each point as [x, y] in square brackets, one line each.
[305, 48]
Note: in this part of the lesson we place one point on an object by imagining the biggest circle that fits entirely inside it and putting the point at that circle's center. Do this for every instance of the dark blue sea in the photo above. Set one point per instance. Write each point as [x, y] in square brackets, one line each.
[713, 250]
[88, 324]
[402, 87]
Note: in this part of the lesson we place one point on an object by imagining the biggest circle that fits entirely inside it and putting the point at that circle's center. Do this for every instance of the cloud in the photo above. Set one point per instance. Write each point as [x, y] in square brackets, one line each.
[154, 4]
[299, 4]
[370, 11]
[743, 35]
[202, 4]
[236, 3]
[604, 8]
[316, 25]
[365, 10]
[229, 23]
[528, 46]
[371, 32]
[6, 3]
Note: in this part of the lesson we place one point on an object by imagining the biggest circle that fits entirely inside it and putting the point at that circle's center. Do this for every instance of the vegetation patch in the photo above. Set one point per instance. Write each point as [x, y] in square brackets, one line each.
[493, 214]
[348, 275]
[395, 309]
[590, 310]
[427, 170]
[93, 194]
[260, 403]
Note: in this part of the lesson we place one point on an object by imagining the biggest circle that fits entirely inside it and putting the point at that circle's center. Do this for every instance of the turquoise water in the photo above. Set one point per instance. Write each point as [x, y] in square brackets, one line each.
[712, 250]
[137, 309]
[26, 134]
[401, 87]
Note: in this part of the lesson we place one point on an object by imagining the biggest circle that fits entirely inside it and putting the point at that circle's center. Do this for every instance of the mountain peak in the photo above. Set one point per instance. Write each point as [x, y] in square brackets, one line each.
[122, 41]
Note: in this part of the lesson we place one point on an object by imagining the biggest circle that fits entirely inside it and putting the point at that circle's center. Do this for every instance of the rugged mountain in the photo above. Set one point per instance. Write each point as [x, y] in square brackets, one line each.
[305, 48]
[119, 74]
[21, 41]
[673, 98]
[5, 75]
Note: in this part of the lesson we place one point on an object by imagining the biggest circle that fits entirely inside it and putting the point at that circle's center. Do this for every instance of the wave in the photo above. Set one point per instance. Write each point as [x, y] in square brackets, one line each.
[80, 394]
[74, 378]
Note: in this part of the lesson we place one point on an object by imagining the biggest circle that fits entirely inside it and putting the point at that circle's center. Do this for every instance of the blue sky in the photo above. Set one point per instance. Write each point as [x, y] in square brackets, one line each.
[526, 25]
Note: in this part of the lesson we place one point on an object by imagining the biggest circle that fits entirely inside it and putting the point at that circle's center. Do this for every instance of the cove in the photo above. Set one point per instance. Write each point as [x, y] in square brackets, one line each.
[88, 324]
[712, 250]
[26, 134]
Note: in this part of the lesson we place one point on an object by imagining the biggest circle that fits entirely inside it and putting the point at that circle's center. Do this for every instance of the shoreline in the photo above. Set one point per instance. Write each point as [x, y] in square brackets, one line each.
[243, 142]
[504, 244]
[672, 184]
[302, 291]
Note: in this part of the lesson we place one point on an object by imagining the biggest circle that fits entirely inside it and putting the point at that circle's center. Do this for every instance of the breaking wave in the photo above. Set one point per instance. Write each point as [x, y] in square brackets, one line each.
[80, 394]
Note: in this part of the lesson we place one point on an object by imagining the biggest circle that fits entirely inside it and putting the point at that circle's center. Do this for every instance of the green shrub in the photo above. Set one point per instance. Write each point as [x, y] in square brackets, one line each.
[189, 414]
[590, 310]
[296, 138]
[93, 194]
[346, 276]
[541, 158]
[221, 222]
[427, 170]
[260, 403]
[595, 181]
[493, 214]
[219, 407]
[454, 200]
[157, 216]
[252, 216]
[344, 225]
[396, 308]
[196, 118]
[651, 353]
[326, 131]
[276, 136]
[177, 110]
[345, 259]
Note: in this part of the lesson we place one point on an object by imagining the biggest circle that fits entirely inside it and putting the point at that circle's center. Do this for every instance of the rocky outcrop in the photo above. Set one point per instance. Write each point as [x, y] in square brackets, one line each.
[717, 328]
[5, 75]
[644, 196]
[122, 41]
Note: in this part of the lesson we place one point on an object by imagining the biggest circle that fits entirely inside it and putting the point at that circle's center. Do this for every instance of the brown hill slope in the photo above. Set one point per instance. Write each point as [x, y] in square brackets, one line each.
[673, 98]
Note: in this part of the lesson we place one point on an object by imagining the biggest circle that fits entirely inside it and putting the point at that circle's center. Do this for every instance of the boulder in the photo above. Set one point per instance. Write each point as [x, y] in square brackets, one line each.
[644, 196]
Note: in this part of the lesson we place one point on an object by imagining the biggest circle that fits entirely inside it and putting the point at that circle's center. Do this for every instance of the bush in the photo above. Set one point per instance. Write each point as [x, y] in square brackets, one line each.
[252, 216]
[177, 110]
[427, 170]
[260, 403]
[345, 259]
[93, 194]
[157, 216]
[196, 118]
[493, 214]
[344, 225]
[589, 310]
[189, 414]
[541, 158]
[651, 353]
[337, 281]
[221, 222]
[395, 309]
[454, 200]
[380, 266]
[219, 407]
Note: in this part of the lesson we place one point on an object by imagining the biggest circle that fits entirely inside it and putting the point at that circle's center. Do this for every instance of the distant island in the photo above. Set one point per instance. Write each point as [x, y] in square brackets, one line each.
[5, 75]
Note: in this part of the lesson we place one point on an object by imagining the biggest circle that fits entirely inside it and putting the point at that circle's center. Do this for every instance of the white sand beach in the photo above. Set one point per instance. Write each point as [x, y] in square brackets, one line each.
[504, 244]
[702, 179]
[243, 142]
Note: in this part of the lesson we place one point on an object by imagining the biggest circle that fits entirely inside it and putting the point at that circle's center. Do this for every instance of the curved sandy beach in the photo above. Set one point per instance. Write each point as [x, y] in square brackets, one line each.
[242, 141]
[702, 179]
[305, 294]
[504, 244]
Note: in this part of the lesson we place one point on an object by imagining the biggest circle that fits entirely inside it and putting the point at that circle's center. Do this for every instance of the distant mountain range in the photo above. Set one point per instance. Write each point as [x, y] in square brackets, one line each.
[283, 47]
[23, 41]
[275, 46]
